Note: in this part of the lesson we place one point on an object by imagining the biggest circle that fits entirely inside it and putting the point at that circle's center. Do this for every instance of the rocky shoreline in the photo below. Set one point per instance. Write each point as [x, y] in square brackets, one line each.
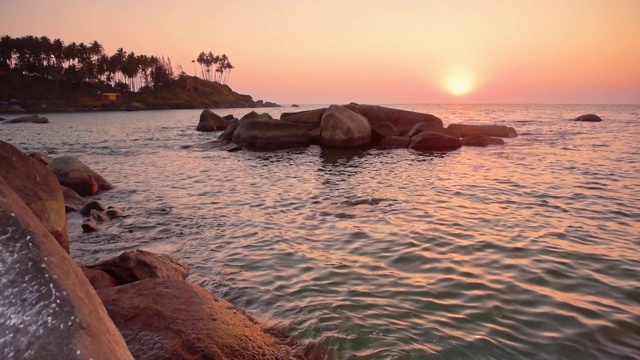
[136, 305]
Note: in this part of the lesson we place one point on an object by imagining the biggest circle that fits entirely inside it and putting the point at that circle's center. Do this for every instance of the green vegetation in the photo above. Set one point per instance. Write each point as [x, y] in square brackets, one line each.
[39, 74]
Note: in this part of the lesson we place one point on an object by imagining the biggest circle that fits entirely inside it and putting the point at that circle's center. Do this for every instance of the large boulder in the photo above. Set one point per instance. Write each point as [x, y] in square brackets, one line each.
[310, 119]
[38, 188]
[403, 120]
[170, 319]
[588, 118]
[98, 278]
[431, 140]
[77, 176]
[49, 309]
[132, 266]
[260, 134]
[343, 128]
[34, 119]
[210, 121]
[488, 130]
[381, 131]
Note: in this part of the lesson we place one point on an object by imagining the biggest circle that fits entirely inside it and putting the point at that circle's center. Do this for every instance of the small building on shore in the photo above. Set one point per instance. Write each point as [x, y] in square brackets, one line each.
[110, 96]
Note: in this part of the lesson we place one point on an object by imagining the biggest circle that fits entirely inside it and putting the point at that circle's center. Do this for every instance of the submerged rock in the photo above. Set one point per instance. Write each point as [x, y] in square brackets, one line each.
[488, 130]
[588, 118]
[137, 265]
[170, 319]
[77, 176]
[92, 205]
[49, 309]
[480, 140]
[429, 140]
[72, 201]
[38, 188]
[34, 119]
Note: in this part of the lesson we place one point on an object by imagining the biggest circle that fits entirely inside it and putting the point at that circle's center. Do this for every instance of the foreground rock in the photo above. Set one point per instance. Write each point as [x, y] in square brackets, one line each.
[170, 319]
[34, 119]
[132, 266]
[210, 121]
[260, 134]
[38, 188]
[488, 130]
[49, 309]
[343, 128]
[72, 201]
[588, 118]
[77, 176]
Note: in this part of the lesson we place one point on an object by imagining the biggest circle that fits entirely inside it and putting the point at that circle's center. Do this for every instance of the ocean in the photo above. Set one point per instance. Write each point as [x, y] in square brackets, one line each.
[530, 250]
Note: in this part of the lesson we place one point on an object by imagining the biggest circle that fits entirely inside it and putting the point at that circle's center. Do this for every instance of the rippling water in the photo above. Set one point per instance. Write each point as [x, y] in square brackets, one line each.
[528, 250]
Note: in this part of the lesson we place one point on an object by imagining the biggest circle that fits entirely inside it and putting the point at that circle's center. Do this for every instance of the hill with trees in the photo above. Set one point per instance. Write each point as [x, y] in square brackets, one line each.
[40, 74]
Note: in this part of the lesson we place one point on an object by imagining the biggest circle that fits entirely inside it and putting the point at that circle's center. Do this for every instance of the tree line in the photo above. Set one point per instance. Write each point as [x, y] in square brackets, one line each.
[80, 62]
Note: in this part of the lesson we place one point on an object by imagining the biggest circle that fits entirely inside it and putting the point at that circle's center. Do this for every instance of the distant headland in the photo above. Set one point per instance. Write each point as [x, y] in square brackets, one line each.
[38, 74]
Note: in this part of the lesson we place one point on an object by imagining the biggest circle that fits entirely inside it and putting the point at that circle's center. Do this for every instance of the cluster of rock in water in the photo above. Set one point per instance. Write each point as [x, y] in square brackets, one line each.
[136, 305]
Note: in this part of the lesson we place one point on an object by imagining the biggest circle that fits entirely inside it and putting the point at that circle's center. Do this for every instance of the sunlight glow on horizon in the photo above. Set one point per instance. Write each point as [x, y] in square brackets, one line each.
[409, 51]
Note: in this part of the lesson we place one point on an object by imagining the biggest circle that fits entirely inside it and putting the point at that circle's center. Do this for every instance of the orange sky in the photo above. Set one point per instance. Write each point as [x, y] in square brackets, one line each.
[385, 52]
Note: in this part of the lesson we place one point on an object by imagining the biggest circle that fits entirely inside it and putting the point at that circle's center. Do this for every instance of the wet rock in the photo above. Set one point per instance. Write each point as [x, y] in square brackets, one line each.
[41, 157]
[488, 130]
[49, 309]
[96, 217]
[394, 142]
[422, 127]
[588, 118]
[72, 201]
[309, 119]
[77, 176]
[429, 140]
[343, 128]
[38, 188]
[259, 134]
[98, 278]
[227, 134]
[34, 119]
[92, 205]
[115, 212]
[480, 140]
[210, 121]
[136, 265]
[403, 120]
[170, 319]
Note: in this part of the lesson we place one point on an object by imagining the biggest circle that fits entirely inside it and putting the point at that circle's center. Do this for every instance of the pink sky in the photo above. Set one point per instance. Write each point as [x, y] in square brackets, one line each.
[385, 52]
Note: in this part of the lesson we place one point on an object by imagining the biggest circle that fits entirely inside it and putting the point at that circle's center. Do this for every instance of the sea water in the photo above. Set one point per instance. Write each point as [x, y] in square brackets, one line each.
[530, 250]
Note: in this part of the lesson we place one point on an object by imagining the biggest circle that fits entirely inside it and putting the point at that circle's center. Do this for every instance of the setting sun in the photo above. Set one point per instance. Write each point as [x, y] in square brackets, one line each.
[459, 85]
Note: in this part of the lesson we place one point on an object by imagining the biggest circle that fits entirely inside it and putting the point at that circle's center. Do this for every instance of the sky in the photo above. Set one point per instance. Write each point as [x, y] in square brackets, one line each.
[377, 52]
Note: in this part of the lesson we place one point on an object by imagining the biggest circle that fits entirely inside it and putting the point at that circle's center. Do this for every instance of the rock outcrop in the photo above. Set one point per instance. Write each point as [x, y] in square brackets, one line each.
[260, 134]
[210, 121]
[38, 188]
[343, 128]
[310, 119]
[170, 319]
[588, 118]
[48, 307]
[77, 176]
